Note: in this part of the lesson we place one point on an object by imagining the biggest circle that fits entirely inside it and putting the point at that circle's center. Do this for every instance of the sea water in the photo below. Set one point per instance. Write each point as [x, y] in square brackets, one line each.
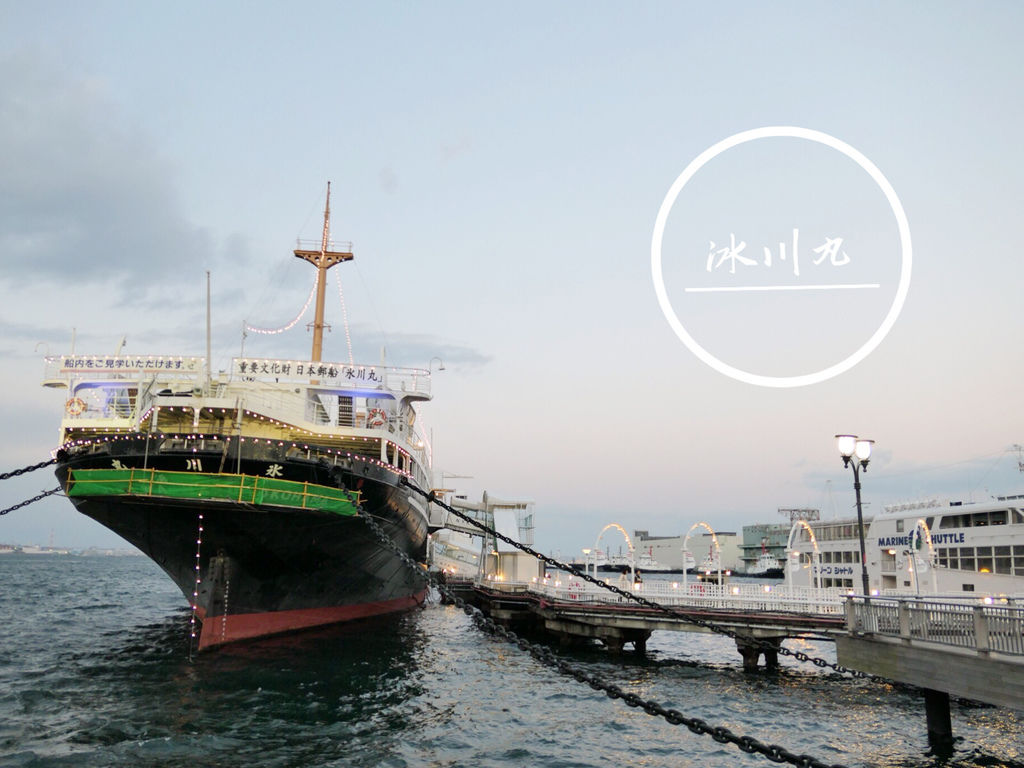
[95, 671]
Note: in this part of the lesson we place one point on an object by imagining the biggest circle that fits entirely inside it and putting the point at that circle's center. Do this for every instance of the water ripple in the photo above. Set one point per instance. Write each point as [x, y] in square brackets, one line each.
[95, 673]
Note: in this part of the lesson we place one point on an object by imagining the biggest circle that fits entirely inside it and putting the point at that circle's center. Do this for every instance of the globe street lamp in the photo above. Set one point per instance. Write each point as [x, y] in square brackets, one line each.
[856, 453]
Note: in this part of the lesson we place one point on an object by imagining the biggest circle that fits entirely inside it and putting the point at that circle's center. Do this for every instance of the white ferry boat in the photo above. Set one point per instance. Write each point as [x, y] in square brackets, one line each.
[929, 547]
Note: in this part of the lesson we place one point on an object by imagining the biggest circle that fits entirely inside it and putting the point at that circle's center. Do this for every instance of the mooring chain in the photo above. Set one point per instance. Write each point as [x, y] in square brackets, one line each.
[34, 499]
[543, 654]
[711, 626]
[23, 470]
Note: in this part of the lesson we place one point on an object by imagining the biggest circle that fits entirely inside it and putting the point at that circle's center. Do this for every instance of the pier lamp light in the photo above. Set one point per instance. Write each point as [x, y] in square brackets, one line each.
[856, 453]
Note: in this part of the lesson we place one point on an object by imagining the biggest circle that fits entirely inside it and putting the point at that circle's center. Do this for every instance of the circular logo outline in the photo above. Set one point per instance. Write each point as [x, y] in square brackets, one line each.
[868, 167]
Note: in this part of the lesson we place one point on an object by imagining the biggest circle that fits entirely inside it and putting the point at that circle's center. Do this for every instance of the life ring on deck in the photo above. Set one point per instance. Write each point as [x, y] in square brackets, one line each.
[376, 418]
[75, 406]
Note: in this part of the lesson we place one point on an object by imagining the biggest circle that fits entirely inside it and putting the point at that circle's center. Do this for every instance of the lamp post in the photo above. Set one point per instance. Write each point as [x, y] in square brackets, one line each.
[856, 453]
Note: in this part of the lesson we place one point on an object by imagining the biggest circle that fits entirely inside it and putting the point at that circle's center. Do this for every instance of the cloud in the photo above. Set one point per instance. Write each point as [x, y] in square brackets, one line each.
[84, 195]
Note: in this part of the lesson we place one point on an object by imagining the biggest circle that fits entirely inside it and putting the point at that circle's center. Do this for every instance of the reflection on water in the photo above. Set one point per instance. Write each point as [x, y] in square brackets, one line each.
[95, 673]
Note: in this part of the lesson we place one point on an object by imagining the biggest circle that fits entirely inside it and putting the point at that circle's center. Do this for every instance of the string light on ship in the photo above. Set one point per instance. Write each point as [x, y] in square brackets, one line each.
[289, 326]
[344, 318]
[195, 592]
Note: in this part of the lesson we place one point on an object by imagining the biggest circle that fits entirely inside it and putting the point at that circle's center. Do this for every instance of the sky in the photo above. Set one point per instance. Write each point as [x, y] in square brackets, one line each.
[500, 170]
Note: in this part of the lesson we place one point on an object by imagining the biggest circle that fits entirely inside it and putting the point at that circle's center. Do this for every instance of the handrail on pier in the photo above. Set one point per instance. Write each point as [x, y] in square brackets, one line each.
[978, 625]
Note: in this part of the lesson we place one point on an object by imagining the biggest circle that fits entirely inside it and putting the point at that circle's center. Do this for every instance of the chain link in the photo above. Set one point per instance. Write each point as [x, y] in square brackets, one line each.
[543, 654]
[34, 499]
[23, 470]
[711, 626]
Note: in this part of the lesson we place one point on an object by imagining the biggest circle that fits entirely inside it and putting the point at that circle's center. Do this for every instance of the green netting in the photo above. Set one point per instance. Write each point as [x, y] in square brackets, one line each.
[247, 489]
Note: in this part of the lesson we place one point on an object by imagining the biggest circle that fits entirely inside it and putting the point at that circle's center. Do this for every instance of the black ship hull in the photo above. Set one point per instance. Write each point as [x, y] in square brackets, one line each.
[251, 570]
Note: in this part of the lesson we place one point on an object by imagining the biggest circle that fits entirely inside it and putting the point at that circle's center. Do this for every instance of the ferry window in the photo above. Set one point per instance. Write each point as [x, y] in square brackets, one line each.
[985, 564]
[950, 521]
[1016, 517]
[899, 526]
[979, 519]
[968, 587]
[929, 521]
[998, 517]
[967, 558]
[1003, 562]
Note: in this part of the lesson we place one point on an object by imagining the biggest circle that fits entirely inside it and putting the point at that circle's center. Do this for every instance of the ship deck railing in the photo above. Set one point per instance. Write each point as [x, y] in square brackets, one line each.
[123, 407]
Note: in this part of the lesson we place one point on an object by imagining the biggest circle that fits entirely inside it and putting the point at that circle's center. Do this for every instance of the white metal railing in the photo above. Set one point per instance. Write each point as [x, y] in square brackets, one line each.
[975, 625]
[316, 245]
[745, 597]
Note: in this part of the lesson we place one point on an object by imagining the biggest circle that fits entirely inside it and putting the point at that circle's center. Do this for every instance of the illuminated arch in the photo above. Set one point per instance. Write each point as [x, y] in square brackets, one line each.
[815, 558]
[714, 541]
[629, 543]
[922, 525]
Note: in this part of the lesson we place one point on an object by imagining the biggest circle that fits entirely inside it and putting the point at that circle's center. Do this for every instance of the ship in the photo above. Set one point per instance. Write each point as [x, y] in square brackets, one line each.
[251, 487]
[933, 546]
[766, 566]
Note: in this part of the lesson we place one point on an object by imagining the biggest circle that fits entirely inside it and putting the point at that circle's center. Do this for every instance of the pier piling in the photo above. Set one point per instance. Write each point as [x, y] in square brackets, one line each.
[940, 727]
[751, 651]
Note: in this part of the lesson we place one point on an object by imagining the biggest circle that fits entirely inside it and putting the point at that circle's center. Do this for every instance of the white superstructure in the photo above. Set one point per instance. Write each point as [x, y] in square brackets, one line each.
[926, 547]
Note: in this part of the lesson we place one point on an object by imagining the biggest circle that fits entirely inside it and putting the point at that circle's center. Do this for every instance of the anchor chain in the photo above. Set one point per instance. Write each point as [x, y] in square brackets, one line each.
[546, 656]
[34, 499]
[23, 470]
[696, 620]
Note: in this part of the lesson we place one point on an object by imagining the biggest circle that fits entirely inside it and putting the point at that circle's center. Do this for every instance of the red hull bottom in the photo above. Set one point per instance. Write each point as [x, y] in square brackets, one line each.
[219, 630]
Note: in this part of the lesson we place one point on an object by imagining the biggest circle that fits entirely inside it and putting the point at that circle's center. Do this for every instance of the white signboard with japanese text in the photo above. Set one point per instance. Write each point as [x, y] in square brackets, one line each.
[94, 364]
[333, 373]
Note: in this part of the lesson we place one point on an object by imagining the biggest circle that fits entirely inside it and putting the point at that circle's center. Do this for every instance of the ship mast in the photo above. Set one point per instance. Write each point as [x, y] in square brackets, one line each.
[323, 260]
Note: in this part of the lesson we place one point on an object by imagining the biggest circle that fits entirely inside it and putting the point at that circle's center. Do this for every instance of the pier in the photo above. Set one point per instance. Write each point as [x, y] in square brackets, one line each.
[974, 651]
[760, 616]
[969, 649]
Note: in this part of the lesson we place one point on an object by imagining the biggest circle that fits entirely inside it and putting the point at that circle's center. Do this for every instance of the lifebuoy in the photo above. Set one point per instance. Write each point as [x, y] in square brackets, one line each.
[75, 406]
[376, 418]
